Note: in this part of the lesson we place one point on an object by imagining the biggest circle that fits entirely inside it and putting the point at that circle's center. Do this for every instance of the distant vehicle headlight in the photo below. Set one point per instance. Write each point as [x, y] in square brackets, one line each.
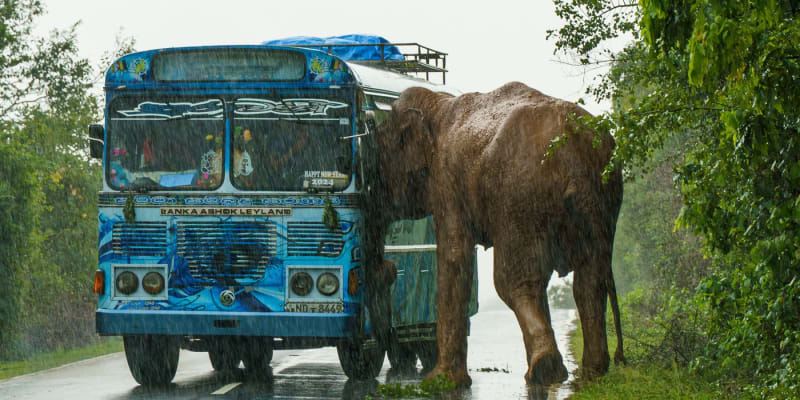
[127, 282]
[302, 283]
[153, 283]
[328, 284]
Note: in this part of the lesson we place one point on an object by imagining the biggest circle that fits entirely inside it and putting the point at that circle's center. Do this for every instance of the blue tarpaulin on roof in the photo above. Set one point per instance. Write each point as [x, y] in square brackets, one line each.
[357, 53]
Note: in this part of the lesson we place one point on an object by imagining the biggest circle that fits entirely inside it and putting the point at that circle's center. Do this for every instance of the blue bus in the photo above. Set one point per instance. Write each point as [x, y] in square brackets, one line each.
[231, 214]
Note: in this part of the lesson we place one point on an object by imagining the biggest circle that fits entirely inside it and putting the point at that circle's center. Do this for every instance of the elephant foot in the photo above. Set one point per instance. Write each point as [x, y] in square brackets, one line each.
[457, 375]
[546, 368]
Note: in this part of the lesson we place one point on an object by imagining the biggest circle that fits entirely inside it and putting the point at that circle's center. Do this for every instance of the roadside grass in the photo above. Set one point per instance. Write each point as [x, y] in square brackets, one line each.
[42, 361]
[638, 381]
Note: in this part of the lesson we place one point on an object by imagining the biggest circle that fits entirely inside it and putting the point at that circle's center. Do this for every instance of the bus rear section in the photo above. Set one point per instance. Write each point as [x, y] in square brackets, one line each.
[411, 245]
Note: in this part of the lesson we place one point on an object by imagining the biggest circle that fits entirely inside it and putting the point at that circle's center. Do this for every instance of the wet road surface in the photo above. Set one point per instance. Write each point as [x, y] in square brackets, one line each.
[495, 342]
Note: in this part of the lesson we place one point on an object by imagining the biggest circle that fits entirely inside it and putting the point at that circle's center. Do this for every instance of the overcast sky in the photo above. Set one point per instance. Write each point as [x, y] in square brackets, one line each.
[488, 42]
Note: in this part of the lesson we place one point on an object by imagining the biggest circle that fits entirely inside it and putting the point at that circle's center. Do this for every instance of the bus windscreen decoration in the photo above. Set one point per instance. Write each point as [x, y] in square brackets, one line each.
[210, 109]
[286, 107]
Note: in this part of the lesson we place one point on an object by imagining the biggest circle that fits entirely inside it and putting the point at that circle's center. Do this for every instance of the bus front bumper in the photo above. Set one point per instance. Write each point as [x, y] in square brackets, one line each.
[275, 324]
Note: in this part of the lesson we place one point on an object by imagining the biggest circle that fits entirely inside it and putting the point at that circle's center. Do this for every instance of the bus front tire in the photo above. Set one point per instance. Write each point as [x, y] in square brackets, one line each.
[360, 361]
[401, 356]
[258, 355]
[152, 359]
[223, 359]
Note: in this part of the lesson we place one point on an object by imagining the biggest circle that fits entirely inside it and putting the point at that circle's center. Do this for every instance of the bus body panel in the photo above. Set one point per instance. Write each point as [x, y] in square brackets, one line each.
[225, 323]
[411, 245]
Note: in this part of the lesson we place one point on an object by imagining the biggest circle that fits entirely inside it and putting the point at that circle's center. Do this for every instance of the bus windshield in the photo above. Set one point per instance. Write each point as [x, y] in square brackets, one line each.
[164, 142]
[289, 143]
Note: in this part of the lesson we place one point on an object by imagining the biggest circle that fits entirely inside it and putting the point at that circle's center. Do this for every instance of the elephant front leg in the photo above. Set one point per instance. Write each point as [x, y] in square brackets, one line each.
[545, 365]
[455, 272]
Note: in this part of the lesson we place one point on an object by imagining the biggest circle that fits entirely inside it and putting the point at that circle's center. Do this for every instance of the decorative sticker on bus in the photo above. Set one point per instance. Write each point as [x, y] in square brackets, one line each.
[219, 211]
[130, 69]
[323, 179]
[287, 107]
[151, 110]
[328, 70]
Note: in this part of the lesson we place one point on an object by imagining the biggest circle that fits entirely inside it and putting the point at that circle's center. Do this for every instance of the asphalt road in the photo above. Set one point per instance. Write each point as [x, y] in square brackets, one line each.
[495, 342]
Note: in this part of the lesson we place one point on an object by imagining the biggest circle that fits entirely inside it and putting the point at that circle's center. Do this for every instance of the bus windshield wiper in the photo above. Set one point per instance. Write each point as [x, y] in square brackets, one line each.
[144, 185]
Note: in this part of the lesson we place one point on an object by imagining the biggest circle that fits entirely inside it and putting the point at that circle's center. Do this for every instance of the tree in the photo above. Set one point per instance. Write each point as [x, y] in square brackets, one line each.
[48, 186]
[722, 77]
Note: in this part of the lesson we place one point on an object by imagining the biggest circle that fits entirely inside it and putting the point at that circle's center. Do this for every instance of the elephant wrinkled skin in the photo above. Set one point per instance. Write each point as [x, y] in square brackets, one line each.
[475, 162]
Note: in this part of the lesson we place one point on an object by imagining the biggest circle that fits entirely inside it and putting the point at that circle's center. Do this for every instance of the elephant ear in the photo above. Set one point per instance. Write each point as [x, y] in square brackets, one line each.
[415, 128]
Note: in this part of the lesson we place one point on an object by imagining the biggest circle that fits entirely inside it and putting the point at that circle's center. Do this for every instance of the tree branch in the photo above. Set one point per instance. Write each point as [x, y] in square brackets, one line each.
[625, 5]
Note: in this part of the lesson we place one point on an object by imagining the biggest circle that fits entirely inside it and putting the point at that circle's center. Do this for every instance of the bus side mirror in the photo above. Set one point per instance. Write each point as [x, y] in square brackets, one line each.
[96, 141]
[371, 127]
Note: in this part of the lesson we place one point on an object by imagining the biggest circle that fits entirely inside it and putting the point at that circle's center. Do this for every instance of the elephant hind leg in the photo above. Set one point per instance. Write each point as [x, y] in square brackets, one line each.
[589, 290]
[520, 283]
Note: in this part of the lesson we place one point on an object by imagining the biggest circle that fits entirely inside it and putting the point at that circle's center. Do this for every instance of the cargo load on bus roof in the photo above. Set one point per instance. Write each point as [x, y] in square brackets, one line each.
[346, 49]
[375, 51]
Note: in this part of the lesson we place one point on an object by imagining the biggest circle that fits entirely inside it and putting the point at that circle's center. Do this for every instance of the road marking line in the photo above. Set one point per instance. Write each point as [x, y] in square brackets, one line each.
[227, 388]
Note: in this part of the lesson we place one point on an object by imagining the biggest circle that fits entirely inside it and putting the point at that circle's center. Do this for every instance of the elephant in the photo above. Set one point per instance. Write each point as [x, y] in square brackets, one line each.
[477, 163]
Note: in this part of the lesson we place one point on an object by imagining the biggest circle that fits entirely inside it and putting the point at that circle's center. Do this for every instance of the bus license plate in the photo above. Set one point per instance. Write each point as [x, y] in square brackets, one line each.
[333, 308]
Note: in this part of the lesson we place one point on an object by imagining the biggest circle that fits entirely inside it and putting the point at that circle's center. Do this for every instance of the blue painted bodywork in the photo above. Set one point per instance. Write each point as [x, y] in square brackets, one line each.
[193, 305]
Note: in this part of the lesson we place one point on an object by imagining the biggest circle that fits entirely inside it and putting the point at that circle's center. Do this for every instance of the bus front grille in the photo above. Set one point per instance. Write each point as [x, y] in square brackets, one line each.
[226, 252]
[139, 239]
[313, 239]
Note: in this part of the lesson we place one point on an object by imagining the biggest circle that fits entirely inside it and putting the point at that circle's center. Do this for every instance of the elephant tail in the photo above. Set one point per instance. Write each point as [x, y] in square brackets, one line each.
[619, 356]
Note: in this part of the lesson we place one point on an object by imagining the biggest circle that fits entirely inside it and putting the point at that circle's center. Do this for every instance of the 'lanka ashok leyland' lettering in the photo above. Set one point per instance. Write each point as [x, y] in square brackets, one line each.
[214, 211]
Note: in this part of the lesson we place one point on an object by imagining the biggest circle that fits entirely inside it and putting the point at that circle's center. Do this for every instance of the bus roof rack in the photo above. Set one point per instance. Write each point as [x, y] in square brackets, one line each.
[419, 59]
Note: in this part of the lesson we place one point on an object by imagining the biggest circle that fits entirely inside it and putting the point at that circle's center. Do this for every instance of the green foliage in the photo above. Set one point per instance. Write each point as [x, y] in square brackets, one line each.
[330, 217]
[649, 253]
[58, 357]
[129, 211]
[722, 79]
[591, 22]
[21, 201]
[641, 378]
[427, 388]
[48, 187]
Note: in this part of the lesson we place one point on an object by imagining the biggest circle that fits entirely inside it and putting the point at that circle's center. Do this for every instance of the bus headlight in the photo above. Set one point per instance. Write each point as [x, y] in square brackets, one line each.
[328, 284]
[127, 282]
[153, 283]
[302, 283]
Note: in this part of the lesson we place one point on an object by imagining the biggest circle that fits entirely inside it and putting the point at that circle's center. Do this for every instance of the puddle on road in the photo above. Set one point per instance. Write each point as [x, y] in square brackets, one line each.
[496, 358]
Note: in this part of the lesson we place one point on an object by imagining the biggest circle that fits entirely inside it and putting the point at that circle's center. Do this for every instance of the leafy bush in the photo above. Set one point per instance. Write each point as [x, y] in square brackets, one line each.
[428, 387]
[721, 77]
[48, 187]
